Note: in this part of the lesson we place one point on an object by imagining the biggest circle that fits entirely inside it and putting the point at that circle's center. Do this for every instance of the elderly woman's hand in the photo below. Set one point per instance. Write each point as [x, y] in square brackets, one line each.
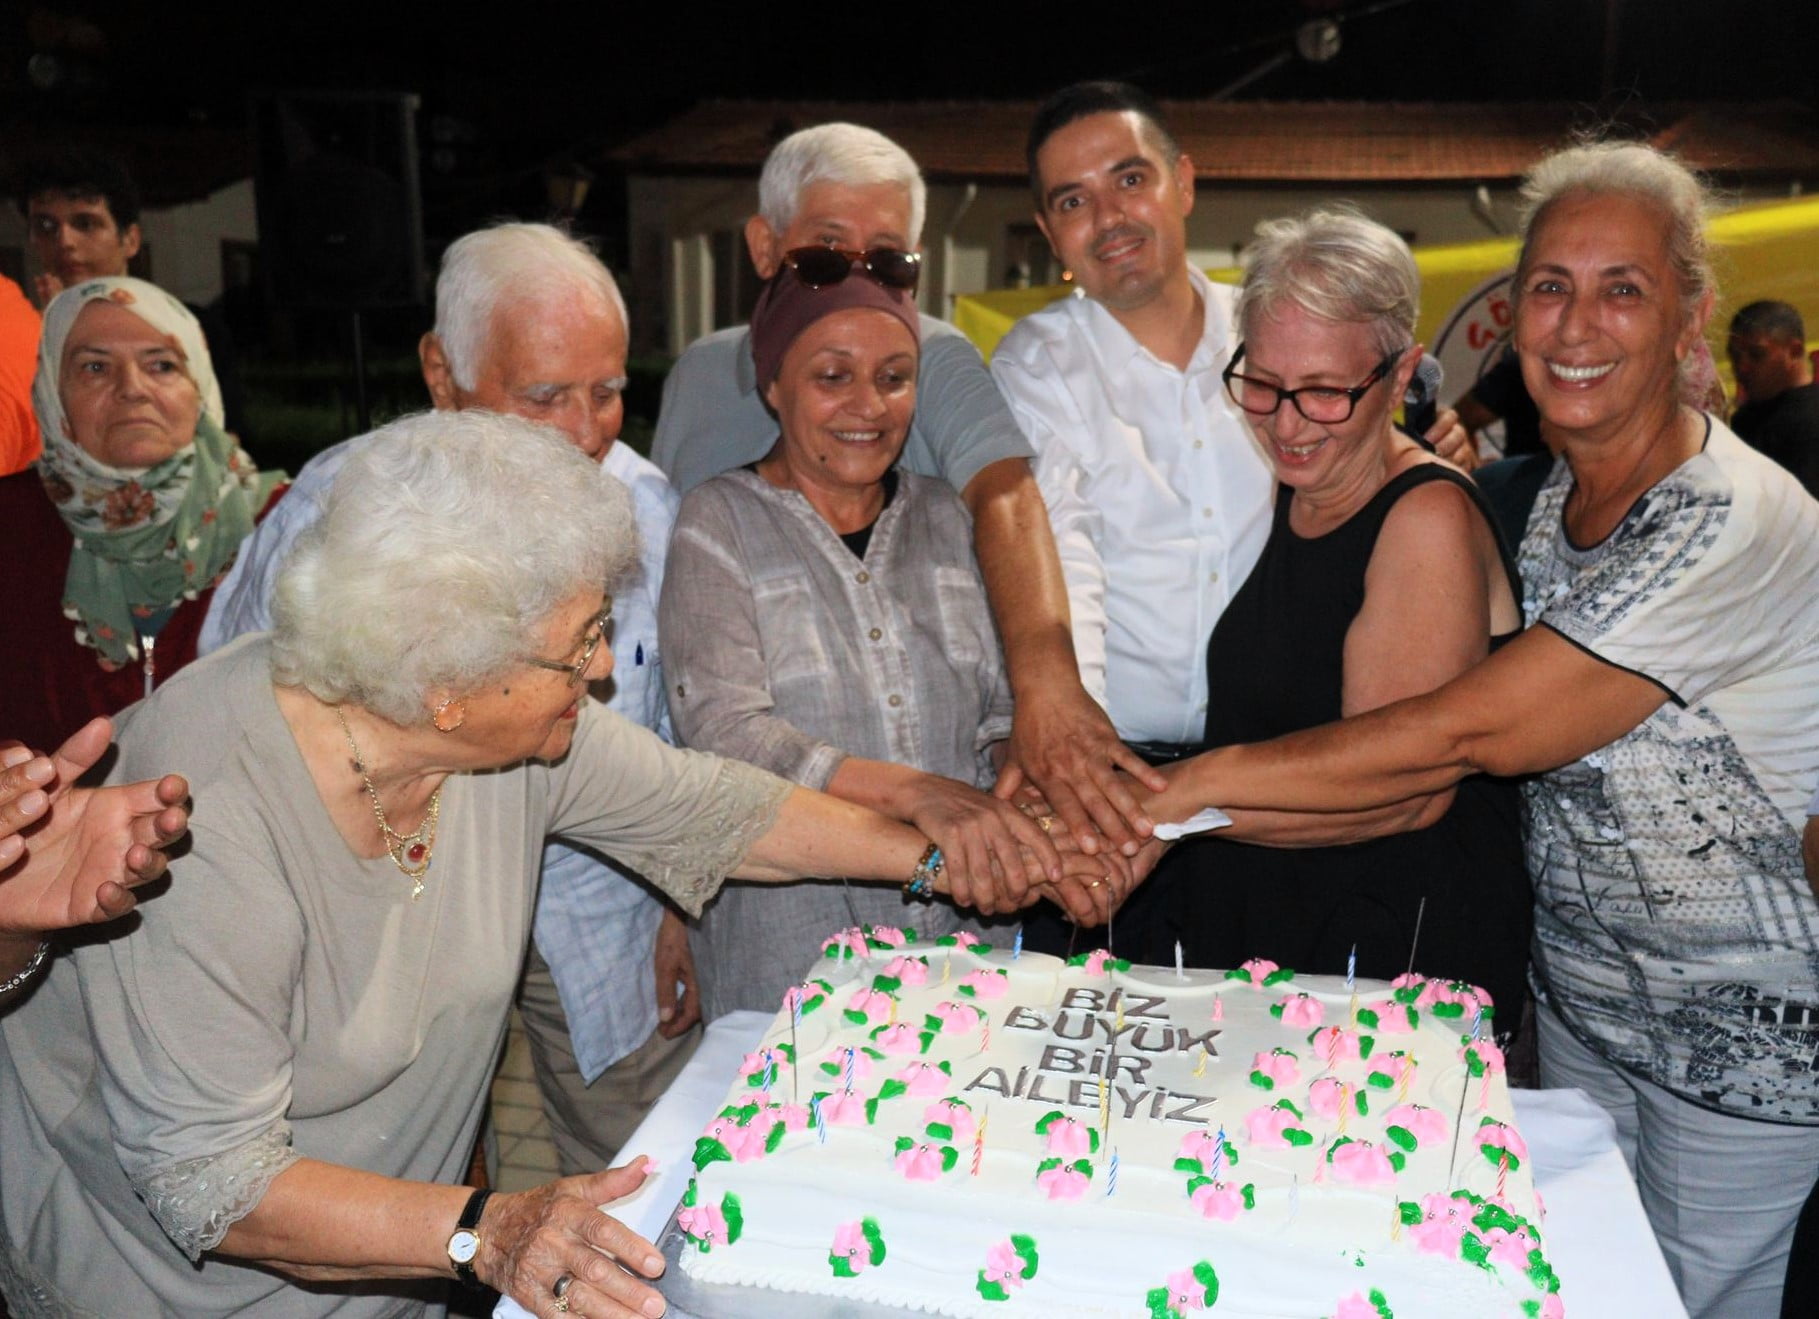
[531, 1240]
[993, 851]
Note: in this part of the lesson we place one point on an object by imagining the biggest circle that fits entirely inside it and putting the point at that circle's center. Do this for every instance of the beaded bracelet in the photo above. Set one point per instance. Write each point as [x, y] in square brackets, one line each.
[30, 970]
[921, 883]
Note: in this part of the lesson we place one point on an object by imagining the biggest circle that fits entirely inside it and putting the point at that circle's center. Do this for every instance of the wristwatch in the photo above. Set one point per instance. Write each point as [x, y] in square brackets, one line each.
[464, 1241]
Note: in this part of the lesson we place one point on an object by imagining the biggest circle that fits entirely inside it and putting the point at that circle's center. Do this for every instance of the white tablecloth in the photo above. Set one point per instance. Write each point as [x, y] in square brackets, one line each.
[1598, 1240]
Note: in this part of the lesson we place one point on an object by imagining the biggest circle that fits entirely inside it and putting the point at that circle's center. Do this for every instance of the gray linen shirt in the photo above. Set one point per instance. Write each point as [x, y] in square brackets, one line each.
[284, 998]
[783, 649]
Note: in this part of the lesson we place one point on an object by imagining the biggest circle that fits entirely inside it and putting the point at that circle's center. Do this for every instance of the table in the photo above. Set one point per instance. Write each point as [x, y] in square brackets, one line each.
[1598, 1238]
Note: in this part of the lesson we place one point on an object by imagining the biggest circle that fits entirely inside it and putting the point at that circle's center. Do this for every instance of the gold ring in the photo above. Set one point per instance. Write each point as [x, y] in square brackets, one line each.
[1046, 823]
[560, 1291]
[1095, 884]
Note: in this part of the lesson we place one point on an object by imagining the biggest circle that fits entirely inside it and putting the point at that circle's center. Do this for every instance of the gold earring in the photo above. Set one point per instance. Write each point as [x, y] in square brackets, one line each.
[441, 713]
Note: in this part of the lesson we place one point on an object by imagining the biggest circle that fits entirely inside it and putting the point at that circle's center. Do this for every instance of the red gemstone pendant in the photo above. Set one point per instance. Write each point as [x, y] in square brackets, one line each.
[415, 853]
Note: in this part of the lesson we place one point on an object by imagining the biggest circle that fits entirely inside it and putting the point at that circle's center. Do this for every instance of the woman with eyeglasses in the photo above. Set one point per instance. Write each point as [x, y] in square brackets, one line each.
[262, 1099]
[1382, 578]
[823, 616]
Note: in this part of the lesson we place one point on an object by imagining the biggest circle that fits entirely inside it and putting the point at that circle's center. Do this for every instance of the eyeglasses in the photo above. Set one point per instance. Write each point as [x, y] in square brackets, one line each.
[1324, 404]
[589, 648]
[820, 266]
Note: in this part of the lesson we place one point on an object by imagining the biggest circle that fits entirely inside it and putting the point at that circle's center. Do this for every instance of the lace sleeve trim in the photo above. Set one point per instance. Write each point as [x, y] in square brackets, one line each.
[738, 809]
[197, 1200]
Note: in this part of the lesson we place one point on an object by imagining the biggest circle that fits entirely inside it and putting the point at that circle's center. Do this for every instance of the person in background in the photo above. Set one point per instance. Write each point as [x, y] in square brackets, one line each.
[81, 211]
[850, 188]
[72, 856]
[529, 322]
[1780, 411]
[19, 327]
[140, 501]
[1500, 395]
[1158, 497]
[1661, 702]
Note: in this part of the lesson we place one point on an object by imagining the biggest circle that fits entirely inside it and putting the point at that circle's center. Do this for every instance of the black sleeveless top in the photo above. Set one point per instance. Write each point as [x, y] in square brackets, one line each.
[1275, 664]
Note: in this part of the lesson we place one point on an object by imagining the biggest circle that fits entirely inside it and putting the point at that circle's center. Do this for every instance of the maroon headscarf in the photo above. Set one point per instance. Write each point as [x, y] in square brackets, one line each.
[787, 307]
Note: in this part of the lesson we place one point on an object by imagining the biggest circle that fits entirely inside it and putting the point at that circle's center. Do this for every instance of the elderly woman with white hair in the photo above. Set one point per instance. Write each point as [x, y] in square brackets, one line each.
[1382, 578]
[1663, 701]
[263, 1098]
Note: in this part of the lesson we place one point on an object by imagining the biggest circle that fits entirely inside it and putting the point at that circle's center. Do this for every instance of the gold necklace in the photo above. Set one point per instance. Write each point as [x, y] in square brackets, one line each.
[409, 852]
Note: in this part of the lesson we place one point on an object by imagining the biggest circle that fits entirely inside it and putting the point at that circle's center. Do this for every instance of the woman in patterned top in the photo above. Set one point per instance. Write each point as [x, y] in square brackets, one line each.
[1663, 699]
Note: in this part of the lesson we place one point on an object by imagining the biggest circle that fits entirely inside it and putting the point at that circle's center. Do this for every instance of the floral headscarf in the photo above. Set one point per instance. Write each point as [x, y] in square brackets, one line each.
[151, 537]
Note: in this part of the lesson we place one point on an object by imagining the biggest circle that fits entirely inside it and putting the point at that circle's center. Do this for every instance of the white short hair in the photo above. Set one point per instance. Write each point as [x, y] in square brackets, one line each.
[837, 153]
[448, 542]
[504, 266]
[1339, 265]
[1628, 169]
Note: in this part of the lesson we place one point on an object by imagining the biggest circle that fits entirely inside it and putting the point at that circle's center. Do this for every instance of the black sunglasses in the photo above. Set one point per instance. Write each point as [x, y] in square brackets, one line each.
[820, 266]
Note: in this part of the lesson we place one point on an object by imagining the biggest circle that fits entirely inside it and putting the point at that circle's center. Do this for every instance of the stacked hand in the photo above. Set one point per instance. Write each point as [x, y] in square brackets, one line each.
[1067, 750]
[553, 1251]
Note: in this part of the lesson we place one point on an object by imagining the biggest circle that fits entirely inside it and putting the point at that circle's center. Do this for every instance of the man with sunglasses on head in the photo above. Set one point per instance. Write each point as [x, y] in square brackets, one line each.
[1159, 497]
[839, 201]
[528, 321]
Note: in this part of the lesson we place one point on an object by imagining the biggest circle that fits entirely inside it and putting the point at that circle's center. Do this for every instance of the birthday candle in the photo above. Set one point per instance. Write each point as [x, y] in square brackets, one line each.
[847, 1071]
[795, 1020]
[770, 1073]
[947, 964]
[979, 1142]
[820, 1121]
[1345, 1102]
[1218, 1007]
[1017, 945]
[1218, 1155]
[893, 1017]
[1111, 1178]
[1408, 1070]
[1200, 1067]
[1503, 1172]
[1180, 971]
[1351, 970]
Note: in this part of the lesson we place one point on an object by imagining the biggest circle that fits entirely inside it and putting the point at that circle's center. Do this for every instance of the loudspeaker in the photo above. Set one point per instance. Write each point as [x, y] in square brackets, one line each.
[340, 212]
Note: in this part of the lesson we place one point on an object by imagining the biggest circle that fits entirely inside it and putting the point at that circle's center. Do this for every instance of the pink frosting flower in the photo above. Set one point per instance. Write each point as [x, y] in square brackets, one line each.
[799, 994]
[1393, 1067]
[703, 1223]
[850, 1244]
[1217, 1200]
[1408, 979]
[1498, 1136]
[1324, 1095]
[920, 1163]
[1361, 1162]
[875, 1006]
[1259, 967]
[1278, 1065]
[1444, 1219]
[1063, 1183]
[1552, 1308]
[1095, 962]
[1356, 1306]
[1198, 1145]
[1003, 1265]
[953, 1114]
[755, 1064]
[955, 1018]
[862, 1064]
[901, 1038]
[1334, 1046]
[1392, 1017]
[964, 938]
[1185, 1291]
[911, 971]
[1510, 1248]
[987, 984]
[1068, 1139]
[889, 935]
[1266, 1125]
[724, 1130]
[793, 1116]
[1488, 1054]
[849, 942]
[1427, 1125]
[750, 1139]
[1301, 1010]
[924, 1079]
[843, 1109]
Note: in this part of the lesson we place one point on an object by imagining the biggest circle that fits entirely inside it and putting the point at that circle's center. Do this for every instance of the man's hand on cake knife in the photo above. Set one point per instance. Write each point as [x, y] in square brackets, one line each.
[530, 1239]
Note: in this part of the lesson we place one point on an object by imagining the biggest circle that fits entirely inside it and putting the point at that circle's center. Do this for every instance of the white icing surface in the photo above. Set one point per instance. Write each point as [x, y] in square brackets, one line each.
[1310, 1241]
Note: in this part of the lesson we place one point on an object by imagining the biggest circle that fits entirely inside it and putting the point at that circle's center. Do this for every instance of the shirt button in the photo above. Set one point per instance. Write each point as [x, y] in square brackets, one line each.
[874, 634]
[1206, 512]
[863, 577]
[895, 700]
[1213, 576]
[1200, 444]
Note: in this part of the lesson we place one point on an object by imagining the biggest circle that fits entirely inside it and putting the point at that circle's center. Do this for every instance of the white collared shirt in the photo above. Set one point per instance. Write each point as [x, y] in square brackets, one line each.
[1158, 494]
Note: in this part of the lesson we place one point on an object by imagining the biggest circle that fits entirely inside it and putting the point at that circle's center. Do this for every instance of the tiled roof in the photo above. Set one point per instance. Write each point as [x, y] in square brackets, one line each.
[1254, 141]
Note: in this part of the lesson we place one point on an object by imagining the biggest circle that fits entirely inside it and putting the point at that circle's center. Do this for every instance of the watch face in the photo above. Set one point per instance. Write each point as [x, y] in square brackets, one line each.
[463, 1246]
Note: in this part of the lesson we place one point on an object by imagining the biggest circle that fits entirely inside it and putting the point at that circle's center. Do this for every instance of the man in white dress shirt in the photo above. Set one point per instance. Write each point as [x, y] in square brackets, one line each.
[1159, 497]
[528, 321]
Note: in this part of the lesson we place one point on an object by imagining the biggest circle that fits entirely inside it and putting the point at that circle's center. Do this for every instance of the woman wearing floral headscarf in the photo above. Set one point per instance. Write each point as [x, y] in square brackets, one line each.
[110, 545]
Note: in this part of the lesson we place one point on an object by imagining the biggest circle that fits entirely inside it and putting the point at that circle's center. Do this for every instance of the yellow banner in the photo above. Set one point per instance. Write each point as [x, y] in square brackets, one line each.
[1763, 251]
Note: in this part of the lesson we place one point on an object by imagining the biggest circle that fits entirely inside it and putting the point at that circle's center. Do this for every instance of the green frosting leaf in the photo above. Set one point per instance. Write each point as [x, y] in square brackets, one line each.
[1236, 973]
[991, 1291]
[1379, 1080]
[1203, 1272]
[904, 1143]
[1330, 1149]
[842, 1267]
[891, 1089]
[774, 1138]
[1473, 1250]
[1092, 1140]
[1365, 1044]
[1046, 1164]
[1048, 1120]
[1296, 1136]
[855, 1016]
[734, 1213]
[1260, 1080]
[1249, 1192]
[1447, 1011]
[1411, 1213]
[940, 1130]
[1496, 1155]
[1156, 1298]
[1382, 1304]
[1403, 1137]
[1363, 1101]
[1276, 1011]
[1409, 993]
[966, 991]
[927, 1037]
[949, 1157]
[886, 984]
[1397, 1159]
[1025, 1248]
[1280, 976]
[874, 1238]
[688, 1196]
[1367, 1018]
[708, 1150]
[1187, 1165]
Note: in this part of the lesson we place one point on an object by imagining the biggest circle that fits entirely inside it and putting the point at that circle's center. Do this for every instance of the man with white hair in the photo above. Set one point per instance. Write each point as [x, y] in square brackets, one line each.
[852, 189]
[528, 321]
